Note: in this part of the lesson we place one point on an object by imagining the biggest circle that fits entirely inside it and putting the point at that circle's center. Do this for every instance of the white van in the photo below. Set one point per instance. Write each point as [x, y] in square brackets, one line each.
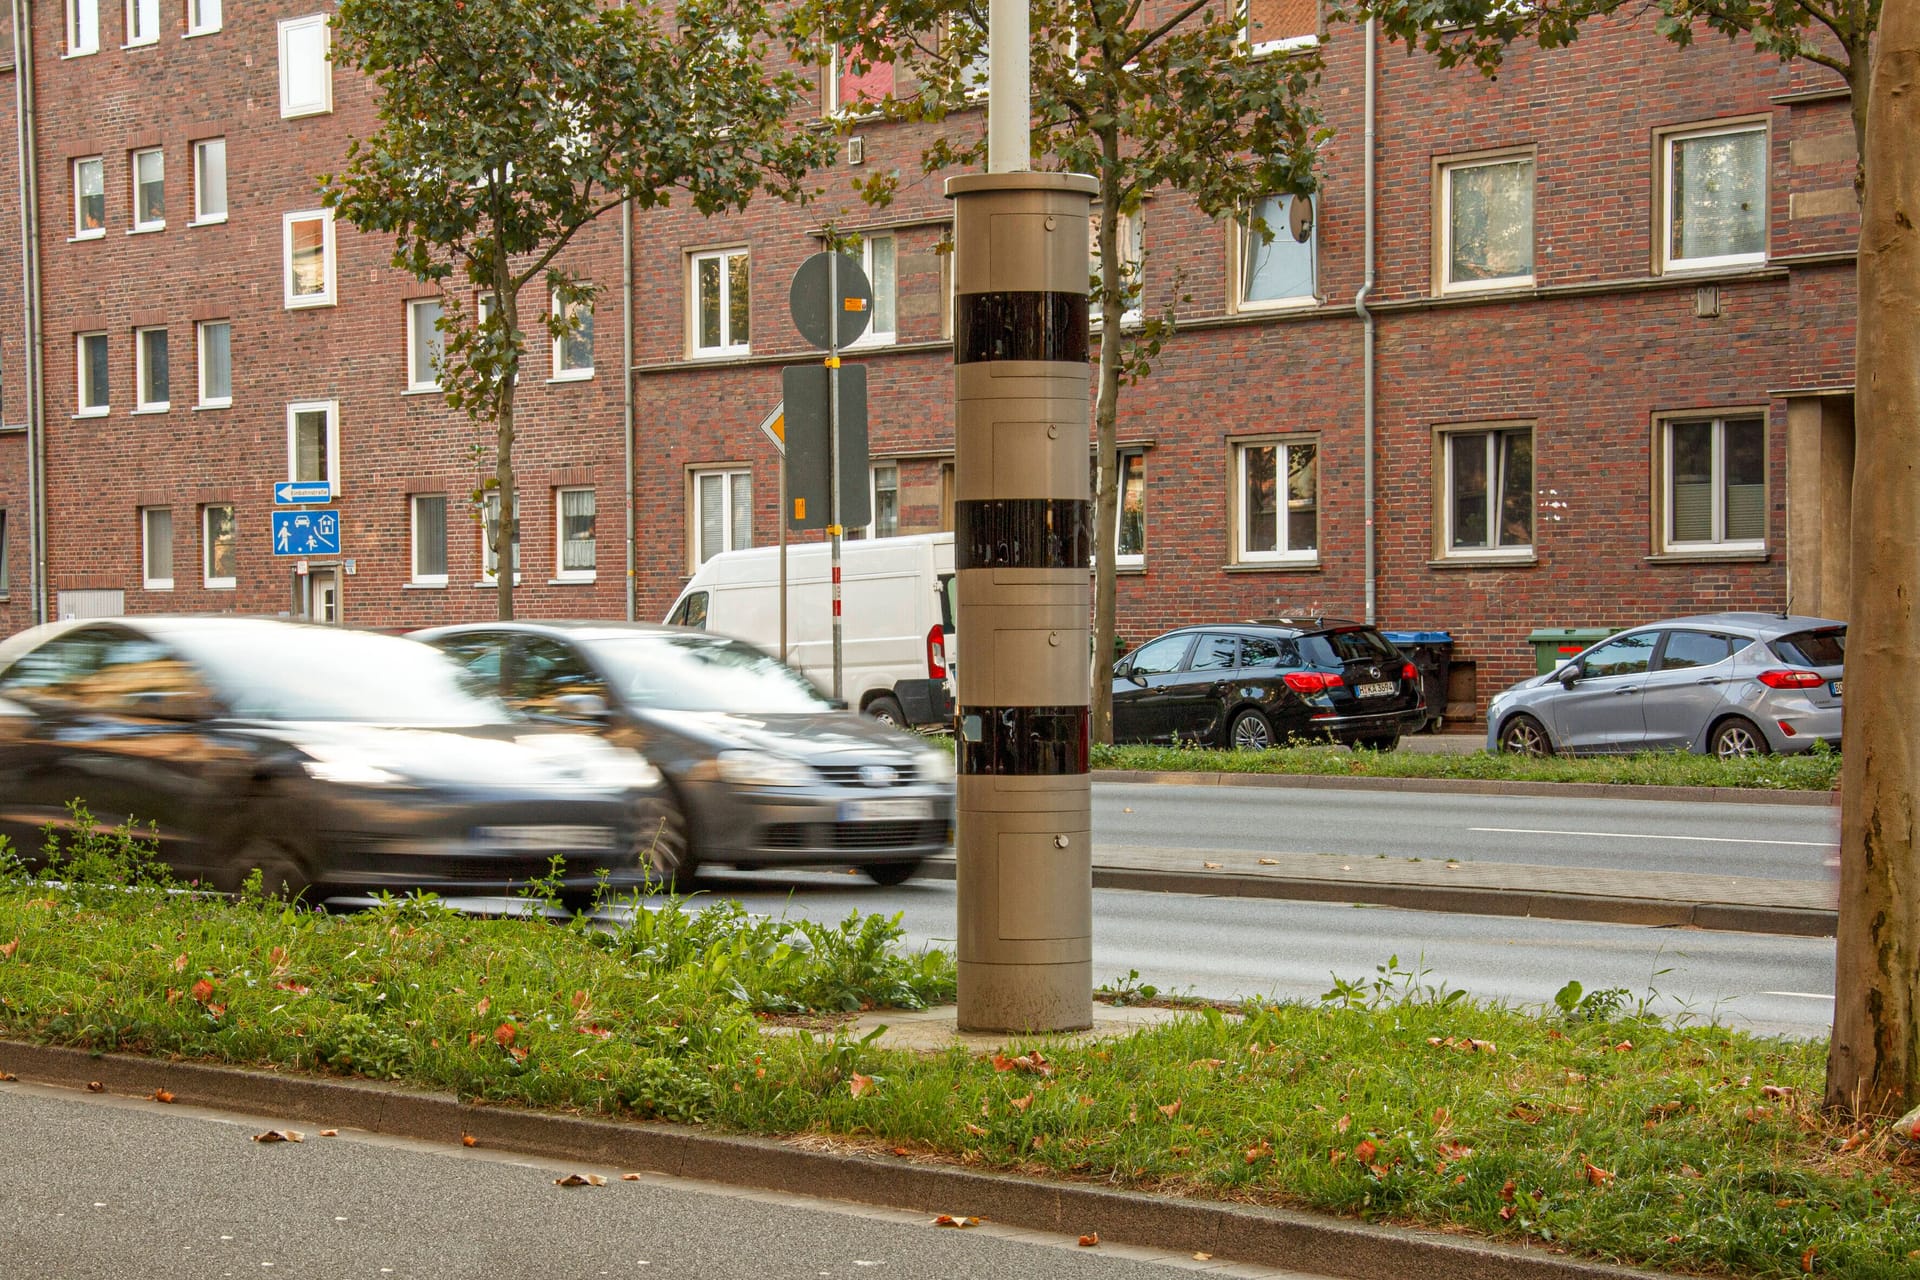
[896, 607]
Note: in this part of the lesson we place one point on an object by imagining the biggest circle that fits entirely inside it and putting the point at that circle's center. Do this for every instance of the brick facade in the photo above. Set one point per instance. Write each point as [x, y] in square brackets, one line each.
[1593, 355]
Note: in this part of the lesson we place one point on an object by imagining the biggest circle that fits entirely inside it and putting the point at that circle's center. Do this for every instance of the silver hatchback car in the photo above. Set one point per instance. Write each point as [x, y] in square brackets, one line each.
[1732, 684]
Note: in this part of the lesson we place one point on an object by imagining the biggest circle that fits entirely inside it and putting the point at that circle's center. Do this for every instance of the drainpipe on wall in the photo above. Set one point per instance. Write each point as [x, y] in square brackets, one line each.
[23, 106]
[626, 379]
[1366, 346]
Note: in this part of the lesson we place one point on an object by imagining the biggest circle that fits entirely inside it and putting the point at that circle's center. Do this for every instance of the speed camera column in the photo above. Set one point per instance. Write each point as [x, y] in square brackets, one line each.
[1023, 542]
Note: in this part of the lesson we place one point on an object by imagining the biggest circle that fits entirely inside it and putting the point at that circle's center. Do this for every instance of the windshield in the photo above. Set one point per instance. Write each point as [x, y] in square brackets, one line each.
[1357, 644]
[704, 673]
[313, 673]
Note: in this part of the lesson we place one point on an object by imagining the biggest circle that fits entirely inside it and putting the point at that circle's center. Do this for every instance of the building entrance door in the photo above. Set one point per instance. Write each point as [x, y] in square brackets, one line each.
[323, 596]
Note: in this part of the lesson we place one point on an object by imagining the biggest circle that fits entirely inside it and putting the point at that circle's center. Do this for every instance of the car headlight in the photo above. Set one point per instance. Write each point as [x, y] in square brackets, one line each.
[764, 769]
[353, 773]
[934, 766]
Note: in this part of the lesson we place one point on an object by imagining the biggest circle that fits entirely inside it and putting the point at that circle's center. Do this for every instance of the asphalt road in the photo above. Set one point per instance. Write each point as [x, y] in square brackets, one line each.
[102, 1188]
[1230, 948]
[1776, 842]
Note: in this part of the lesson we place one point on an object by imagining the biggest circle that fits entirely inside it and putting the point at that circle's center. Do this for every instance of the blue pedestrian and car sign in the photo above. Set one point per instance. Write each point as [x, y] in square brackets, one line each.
[293, 493]
[306, 533]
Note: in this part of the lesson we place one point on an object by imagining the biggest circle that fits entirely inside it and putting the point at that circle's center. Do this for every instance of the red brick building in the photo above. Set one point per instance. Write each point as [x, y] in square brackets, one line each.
[1612, 317]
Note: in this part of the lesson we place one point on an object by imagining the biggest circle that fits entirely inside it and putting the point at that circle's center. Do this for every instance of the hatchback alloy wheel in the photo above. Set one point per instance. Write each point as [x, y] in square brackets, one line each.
[1250, 732]
[1737, 738]
[1525, 736]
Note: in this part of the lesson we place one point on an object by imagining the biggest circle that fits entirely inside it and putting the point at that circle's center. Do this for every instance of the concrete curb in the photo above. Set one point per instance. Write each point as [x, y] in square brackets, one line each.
[1473, 786]
[1269, 1237]
[1732, 917]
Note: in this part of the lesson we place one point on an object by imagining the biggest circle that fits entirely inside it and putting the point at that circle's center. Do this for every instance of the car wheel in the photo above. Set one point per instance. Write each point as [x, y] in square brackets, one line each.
[666, 850]
[1736, 737]
[1525, 736]
[891, 872]
[1250, 731]
[282, 870]
[887, 711]
[1389, 743]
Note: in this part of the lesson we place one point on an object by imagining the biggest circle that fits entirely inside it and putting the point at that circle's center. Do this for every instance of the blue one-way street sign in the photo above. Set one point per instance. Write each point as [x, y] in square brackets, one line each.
[306, 533]
[290, 493]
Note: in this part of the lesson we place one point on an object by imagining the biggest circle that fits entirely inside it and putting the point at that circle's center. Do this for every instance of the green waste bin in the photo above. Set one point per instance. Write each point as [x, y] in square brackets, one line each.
[1554, 645]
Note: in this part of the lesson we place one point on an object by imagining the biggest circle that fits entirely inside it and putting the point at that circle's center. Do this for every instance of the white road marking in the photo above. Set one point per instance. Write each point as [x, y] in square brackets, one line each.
[1636, 835]
[1801, 995]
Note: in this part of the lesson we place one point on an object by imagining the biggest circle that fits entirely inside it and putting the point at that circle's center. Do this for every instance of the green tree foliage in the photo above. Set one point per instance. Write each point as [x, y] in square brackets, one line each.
[1144, 99]
[506, 126]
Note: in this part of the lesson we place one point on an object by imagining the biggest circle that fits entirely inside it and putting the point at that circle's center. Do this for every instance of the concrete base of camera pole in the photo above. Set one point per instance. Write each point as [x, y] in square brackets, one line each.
[1023, 538]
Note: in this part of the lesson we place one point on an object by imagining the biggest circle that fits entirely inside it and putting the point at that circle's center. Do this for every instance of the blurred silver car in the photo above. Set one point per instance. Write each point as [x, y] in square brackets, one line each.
[1730, 684]
[763, 770]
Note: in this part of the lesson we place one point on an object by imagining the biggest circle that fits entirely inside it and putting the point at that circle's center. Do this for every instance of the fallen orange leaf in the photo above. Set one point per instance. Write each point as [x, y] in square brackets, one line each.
[860, 1084]
[1203, 1257]
[203, 991]
[280, 1135]
[580, 1180]
[1254, 1153]
[7, 949]
[955, 1220]
[468, 1140]
[1171, 1109]
[1365, 1151]
[504, 1033]
[6, 1076]
[629, 1177]
[1211, 866]
[1596, 1175]
[180, 962]
[976, 1130]
[1090, 1239]
[1342, 1124]
[480, 1010]
[329, 1133]
[161, 1095]
[1806, 1259]
[1021, 1104]
[94, 1086]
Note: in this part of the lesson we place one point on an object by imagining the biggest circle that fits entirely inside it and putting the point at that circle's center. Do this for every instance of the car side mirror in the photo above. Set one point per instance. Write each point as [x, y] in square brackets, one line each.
[583, 706]
[1568, 674]
[1136, 678]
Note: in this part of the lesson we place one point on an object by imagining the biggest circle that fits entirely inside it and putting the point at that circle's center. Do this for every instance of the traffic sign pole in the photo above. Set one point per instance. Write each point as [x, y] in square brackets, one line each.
[833, 453]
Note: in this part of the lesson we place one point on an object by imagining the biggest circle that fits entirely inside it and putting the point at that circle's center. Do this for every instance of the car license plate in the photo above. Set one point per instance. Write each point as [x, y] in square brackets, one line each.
[1384, 689]
[885, 810]
[1835, 686]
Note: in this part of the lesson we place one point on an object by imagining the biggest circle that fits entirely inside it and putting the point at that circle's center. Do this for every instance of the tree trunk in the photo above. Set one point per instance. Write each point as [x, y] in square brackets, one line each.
[506, 528]
[1106, 417]
[1860, 94]
[1873, 1064]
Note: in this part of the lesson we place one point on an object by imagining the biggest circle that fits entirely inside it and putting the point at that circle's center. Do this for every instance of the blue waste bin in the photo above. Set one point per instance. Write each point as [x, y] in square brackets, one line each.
[1431, 653]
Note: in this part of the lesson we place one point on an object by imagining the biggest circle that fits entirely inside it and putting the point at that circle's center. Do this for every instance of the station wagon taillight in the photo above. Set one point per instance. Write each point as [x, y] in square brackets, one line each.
[1312, 681]
[937, 653]
[1781, 678]
[1409, 672]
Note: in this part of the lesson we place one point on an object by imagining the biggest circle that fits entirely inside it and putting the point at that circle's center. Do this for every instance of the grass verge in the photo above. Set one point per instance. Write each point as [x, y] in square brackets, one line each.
[1817, 770]
[1587, 1127]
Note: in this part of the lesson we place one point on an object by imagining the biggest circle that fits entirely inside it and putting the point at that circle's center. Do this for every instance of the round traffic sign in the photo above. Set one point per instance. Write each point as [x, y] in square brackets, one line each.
[832, 313]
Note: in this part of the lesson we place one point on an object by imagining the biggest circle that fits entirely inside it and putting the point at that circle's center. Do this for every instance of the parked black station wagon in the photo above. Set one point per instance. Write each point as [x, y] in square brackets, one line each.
[1254, 684]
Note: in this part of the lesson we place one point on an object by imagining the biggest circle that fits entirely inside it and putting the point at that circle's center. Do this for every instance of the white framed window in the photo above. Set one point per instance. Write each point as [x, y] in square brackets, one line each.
[149, 189]
[203, 17]
[1485, 223]
[152, 381]
[90, 369]
[879, 258]
[209, 181]
[573, 350]
[490, 563]
[574, 537]
[425, 344]
[1713, 198]
[722, 512]
[842, 89]
[83, 27]
[1133, 252]
[308, 244]
[306, 74]
[1130, 525]
[216, 363]
[219, 556]
[883, 488]
[143, 22]
[429, 539]
[1486, 502]
[1283, 271]
[1277, 502]
[1714, 483]
[313, 441]
[718, 311]
[6, 582]
[156, 548]
[1274, 26]
[89, 198]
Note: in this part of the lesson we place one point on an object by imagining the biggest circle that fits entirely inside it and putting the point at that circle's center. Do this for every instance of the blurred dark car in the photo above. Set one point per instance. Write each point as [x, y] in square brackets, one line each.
[328, 759]
[1254, 684]
[764, 771]
[1724, 684]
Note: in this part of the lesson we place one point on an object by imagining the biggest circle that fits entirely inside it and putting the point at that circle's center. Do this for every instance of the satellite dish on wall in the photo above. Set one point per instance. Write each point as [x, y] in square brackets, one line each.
[1300, 218]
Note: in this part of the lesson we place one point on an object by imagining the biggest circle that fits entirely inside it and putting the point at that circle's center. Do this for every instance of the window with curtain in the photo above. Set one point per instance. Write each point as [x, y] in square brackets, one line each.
[576, 510]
